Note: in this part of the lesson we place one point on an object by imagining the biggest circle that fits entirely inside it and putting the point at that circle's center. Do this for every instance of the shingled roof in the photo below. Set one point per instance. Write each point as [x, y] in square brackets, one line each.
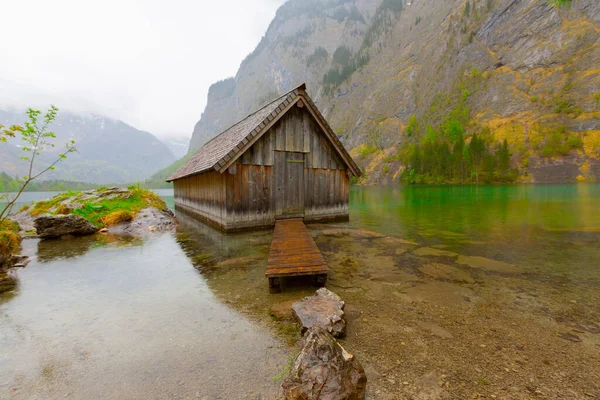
[225, 148]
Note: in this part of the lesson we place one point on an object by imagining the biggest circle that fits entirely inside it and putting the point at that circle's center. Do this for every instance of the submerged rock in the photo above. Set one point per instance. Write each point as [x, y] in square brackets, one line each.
[354, 233]
[430, 251]
[324, 370]
[395, 241]
[487, 264]
[324, 310]
[55, 226]
[448, 272]
[148, 220]
[240, 262]
[570, 336]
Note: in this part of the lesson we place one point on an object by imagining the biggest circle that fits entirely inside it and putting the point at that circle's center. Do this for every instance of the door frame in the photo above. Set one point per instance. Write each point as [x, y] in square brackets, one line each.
[282, 193]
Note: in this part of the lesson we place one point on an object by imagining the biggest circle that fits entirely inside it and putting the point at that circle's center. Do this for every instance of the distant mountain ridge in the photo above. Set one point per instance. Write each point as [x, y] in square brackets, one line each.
[109, 150]
[386, 71]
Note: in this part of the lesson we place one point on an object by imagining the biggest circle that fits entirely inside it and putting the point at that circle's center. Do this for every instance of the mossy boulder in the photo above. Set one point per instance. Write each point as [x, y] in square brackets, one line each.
[132, 211]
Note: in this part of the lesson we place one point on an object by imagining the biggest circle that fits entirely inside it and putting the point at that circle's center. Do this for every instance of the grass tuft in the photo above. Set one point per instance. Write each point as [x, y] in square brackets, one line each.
[10, 240]
[117, 217]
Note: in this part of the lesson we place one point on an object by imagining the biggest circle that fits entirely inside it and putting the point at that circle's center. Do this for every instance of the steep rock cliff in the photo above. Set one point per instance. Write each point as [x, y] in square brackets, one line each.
[526, 70]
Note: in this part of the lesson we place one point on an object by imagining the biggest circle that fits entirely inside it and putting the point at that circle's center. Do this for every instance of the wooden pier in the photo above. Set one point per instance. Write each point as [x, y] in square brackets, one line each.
[294, 253]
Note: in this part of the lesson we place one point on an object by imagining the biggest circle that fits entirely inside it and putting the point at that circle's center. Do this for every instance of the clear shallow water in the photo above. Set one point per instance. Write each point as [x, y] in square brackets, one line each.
[188, 315]
[548, 228]
[127, 319]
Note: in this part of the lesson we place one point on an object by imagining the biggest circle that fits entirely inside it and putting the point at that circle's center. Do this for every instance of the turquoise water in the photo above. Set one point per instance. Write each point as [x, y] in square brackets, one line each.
[430, 275]
[541, 227]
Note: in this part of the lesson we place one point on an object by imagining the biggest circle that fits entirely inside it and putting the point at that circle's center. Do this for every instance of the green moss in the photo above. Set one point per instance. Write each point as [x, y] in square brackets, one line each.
[133, 202]
[45, 206]
[101, 211]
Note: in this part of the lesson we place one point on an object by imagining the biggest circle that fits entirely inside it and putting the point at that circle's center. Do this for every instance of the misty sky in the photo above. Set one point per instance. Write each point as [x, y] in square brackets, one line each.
[147, 62]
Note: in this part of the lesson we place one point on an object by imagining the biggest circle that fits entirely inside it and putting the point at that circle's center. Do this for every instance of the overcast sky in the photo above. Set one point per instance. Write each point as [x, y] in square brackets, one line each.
[147, 62]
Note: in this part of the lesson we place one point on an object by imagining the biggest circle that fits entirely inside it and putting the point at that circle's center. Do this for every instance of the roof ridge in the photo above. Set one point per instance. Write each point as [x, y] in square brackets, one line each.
[251, 114]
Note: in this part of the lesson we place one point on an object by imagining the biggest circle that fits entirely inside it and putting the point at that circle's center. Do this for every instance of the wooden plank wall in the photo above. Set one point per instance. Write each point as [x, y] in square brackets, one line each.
[204, 195]
[327, 194]
[250, 200]
[245, 196]
[327, 186]
[297, 131]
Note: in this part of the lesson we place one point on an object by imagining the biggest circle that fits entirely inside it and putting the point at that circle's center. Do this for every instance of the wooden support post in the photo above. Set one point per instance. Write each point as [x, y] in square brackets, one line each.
[320, 280]
[274, 285]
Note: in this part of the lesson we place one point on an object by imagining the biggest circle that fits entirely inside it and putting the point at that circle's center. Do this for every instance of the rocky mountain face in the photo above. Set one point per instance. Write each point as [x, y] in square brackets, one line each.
[109, 151]
[387, 73]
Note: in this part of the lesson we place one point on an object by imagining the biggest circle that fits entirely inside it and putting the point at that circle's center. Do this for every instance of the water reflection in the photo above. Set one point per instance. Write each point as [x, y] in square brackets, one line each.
[73, 247]
[127, 320]
[444, 284]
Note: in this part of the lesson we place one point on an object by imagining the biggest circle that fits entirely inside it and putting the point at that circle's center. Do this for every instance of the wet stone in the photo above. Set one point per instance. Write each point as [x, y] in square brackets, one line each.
[324, 370]
[430, 251]
[240, 262]
[354, 233]
[324, 310]
[148, 220]
[448, 272]
[435, 330]
[570, 337]
[395, 241]
[487, 264]
[55, 226]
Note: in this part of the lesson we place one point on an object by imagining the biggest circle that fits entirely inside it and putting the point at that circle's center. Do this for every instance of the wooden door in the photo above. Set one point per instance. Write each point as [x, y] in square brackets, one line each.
[289, 178]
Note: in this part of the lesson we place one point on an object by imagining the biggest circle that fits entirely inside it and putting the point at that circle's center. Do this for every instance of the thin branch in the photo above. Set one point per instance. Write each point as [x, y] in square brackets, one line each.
[53, 164]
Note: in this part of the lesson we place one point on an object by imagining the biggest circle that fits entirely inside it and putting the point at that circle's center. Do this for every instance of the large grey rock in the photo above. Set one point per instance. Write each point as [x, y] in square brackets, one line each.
[323, 310]
[325, 371]
[55, 226]
[146, 221]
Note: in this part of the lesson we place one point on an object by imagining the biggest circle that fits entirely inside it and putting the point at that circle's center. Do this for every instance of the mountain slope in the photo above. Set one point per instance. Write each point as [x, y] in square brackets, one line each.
[390, 75]
[109, 151]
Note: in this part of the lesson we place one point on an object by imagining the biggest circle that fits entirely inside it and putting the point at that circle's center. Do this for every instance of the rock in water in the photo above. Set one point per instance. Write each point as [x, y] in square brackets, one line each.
[146, 221]
[55, 226]
[324, 370]
[12, 261]
[323, 310]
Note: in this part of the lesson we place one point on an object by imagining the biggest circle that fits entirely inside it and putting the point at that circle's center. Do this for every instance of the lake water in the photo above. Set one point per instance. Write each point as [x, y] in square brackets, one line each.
[452, 292]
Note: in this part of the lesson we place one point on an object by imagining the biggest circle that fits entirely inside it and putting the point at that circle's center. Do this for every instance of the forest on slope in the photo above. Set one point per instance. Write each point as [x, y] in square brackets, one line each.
[429, 91]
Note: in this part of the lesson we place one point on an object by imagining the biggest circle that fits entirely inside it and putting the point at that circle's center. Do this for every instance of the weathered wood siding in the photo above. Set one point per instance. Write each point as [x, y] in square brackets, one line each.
[203, 195]
[250, 193]
[326, 184]
[327, 194]
[250, 200]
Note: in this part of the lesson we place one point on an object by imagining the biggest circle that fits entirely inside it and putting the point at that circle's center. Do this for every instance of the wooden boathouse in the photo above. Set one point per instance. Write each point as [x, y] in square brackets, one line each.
[280, 162]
